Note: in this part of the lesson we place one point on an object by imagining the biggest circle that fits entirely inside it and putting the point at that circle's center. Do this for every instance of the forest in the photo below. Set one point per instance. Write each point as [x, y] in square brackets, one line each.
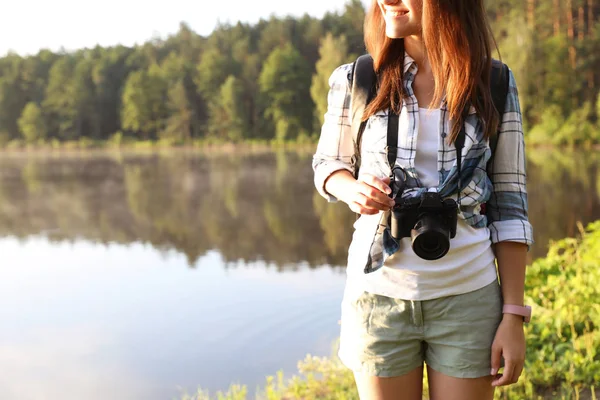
[268, 81]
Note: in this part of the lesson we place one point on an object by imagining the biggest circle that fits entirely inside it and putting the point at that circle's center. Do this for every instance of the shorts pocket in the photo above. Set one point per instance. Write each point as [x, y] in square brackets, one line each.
[355, 321]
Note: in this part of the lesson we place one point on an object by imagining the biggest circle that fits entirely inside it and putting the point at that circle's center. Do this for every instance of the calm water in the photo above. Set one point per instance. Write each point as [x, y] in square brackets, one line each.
[129, 276]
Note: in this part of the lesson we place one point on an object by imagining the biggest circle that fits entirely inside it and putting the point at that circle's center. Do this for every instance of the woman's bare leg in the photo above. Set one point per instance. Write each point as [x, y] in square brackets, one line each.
[444, 387]
[405, 387]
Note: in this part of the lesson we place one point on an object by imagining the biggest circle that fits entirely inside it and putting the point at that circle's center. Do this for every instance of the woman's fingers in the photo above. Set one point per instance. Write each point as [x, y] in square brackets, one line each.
[375, 198]
[381, 184]
[370, 195]
[496, 359]
[362, 204]
[377, 189]
[362, 210]
[368, 203]
[517, 373]
[507, 375]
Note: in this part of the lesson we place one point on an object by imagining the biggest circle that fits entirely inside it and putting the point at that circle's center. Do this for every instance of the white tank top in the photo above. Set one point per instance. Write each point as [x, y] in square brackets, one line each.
[470, 262]
[428, 139]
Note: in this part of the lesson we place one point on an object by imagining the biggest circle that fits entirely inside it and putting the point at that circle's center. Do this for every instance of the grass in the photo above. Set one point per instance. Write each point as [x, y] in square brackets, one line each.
[563, 339]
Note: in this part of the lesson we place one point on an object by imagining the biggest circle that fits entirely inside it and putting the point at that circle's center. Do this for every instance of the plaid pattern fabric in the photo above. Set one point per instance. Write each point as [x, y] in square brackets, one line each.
[503, 188]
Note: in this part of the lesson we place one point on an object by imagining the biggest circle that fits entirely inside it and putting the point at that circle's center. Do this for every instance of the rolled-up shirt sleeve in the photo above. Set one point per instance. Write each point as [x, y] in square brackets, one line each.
[507, 209]
[336, 146]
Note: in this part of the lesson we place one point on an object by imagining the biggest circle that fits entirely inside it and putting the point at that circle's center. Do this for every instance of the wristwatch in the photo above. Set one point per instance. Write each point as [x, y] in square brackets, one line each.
[524, 311]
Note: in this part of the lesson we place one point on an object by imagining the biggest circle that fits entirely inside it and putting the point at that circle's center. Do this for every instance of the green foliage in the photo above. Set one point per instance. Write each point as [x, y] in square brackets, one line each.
[179, 123]
[213, 69]
[84, 91]
[31, 123]
[144, 109]
[598, 106]
[349, 24]
[59, 101]
[284, 84]
[4, 138]
[13, 94]
[560, 81]
[235, 392]
[552, 120]
[333, 53]
[116, 139]
[577, 130]
[553, 129]
[555, 66]
[108, 75]
[229, 117]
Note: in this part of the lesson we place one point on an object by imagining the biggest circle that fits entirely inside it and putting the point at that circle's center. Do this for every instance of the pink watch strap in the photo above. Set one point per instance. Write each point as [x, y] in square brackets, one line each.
[524, 311]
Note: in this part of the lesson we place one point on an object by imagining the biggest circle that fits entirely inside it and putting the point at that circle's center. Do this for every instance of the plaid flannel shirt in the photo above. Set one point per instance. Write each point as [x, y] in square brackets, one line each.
[503, 189]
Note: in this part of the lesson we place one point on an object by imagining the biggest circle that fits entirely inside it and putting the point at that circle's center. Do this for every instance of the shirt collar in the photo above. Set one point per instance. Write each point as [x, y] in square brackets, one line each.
[408, 62]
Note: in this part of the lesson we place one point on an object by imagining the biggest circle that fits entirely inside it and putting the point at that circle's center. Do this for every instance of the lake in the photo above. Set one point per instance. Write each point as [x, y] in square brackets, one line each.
[143, 276]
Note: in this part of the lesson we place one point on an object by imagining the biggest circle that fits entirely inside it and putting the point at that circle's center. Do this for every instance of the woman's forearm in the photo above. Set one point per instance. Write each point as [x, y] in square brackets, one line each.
[512, 260]
[337, 183]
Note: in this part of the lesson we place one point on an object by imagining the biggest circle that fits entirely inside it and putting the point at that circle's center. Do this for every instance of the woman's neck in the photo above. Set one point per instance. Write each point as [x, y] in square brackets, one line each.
[424, 82]
[415, 48]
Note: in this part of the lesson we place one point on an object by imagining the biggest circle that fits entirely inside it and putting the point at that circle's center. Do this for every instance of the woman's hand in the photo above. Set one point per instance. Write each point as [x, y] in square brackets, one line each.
[367, 195]
[509, 344]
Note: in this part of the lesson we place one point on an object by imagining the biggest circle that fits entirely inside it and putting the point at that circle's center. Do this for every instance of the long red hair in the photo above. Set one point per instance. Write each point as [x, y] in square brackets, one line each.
[459, 44]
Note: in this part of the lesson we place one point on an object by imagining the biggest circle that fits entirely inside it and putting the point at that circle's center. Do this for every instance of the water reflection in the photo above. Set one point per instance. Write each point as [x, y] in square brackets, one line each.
[564, 190]
[250, 207]
[88, 321]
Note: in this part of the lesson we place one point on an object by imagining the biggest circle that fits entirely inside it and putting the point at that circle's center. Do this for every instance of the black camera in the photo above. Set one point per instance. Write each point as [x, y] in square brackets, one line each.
[428, 220]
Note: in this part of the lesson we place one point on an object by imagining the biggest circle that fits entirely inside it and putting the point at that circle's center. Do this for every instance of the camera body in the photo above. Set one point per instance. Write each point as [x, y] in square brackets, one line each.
[428, 220]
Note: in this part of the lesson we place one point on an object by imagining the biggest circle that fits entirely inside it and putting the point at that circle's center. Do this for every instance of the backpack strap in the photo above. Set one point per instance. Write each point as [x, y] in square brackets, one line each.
[499, 82]
[363, 85]
[499, 85]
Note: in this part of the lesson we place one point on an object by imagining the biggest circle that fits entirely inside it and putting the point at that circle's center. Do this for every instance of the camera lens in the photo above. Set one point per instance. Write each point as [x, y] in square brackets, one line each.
[429, 243]
[429, 240]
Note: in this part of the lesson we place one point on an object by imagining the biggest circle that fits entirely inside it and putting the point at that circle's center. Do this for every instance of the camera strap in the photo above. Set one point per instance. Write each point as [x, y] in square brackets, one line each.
[391, 149]
[459, 143]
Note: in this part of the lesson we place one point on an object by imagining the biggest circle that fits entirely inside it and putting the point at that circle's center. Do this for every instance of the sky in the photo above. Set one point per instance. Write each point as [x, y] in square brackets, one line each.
[26, 26]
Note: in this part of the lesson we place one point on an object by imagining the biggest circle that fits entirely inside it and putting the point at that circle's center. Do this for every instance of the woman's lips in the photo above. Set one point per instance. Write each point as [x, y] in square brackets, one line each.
[396, 14]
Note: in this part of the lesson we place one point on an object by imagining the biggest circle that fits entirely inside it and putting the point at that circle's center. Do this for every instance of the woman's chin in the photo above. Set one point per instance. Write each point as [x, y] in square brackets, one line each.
[394, 33]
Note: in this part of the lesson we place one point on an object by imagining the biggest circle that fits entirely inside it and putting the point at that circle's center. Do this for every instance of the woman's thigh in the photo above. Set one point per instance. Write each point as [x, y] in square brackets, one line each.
[405, 387]
[444, 387]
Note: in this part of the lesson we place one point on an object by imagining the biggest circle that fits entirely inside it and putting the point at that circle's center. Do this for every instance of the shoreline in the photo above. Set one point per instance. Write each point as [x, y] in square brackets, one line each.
[156, 147]
[258, 146]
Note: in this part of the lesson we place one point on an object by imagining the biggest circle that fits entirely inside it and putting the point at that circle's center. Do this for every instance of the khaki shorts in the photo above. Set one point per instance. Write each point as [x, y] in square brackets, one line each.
[386, 337]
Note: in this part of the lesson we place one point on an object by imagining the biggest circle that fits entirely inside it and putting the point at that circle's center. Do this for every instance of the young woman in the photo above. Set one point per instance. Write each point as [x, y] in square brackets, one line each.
[433, 60]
